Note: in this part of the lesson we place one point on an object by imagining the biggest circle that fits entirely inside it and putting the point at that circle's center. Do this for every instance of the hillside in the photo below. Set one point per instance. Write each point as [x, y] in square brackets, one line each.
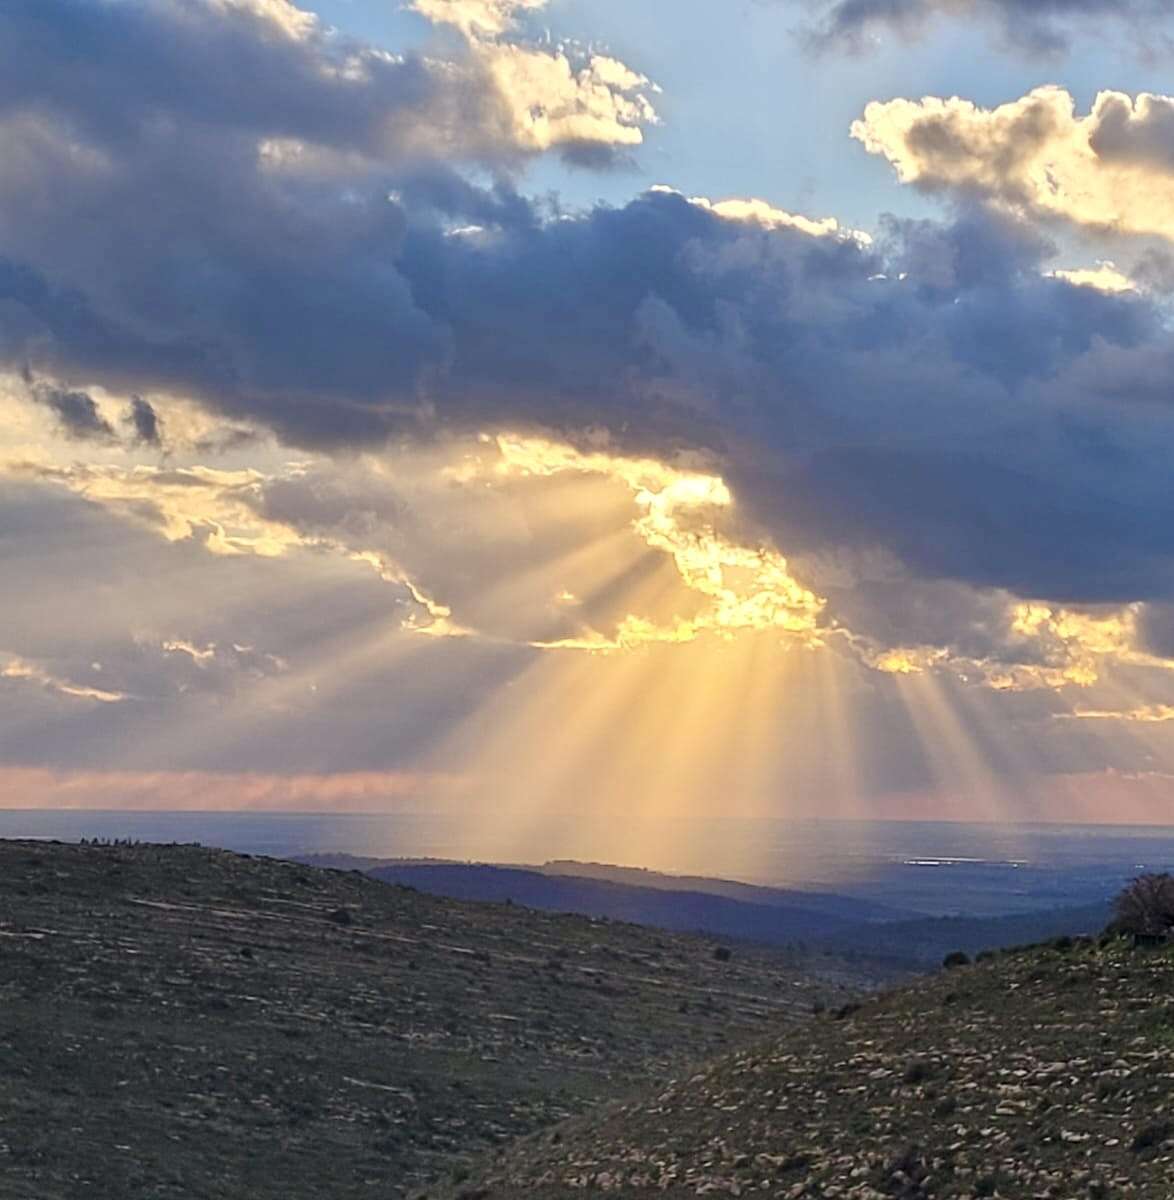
[182, 1022]
[1038, 1073]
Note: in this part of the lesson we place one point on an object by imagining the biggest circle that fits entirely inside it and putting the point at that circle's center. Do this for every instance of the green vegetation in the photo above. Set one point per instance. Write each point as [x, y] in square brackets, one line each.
[1145, 909]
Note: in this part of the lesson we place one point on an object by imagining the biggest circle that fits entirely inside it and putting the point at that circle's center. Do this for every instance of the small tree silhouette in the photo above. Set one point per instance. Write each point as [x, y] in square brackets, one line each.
[1146, 907]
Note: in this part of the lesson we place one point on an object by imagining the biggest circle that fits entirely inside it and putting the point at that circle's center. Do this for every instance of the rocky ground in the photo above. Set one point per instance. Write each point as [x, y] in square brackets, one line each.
[181, 1022]
[1040, 1073]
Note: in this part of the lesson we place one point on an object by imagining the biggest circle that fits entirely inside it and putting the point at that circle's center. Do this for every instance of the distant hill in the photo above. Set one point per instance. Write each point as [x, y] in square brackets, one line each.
[722, 908]
[1039, 1073]
[177, 1022]
[850, 908]
[683, 911]
[831, 904]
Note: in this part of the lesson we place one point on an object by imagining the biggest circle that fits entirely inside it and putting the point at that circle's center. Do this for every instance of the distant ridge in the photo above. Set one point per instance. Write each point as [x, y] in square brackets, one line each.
[815, 920]
[850, 908]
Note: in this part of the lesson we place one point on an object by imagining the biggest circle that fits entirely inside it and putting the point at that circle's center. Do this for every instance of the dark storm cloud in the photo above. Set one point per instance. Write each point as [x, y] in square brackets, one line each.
[144, 422]
[1036, 26]
[137, 69]
[935, 394]
[76, 412]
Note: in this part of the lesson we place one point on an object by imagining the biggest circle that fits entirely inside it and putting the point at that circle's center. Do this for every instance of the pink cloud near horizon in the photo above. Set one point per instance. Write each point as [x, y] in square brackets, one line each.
[34, 788]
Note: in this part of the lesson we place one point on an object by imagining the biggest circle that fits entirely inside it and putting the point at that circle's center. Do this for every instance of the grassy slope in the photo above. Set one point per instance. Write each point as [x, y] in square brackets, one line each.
[1038, 1073]
[178, 1022]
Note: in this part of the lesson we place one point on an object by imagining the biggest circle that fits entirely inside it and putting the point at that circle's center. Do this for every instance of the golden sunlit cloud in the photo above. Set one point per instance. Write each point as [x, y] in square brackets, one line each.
[284, 15]
[1104, 277]
[21, 670]
[747, 587]
[725, 585]
[476, 17]
[1036, 156]
[1146, 714]
[552, 100]
[752, 211]
[212, 506]
[220, 510]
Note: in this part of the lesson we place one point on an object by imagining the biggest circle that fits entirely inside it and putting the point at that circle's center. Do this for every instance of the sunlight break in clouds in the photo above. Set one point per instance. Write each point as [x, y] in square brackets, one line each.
[1111, 171]
[746, 587]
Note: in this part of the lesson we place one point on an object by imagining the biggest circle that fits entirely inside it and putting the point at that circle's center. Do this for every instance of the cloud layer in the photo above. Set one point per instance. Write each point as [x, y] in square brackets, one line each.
[917, 395]
[278, 326]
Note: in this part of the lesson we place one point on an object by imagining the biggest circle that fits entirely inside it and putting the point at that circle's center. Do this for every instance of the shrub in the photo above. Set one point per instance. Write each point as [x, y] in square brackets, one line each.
[956, 958]
[722, 954]
[1145, 908]
[1152, 1136]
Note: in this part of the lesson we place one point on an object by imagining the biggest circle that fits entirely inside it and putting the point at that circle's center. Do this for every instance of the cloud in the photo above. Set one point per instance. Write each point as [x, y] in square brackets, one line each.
[208, 791]
[1104, 277]
[477, 18]
[291, 662]
[911, 397]
[1111, 171]
[16, 669]
[841, 385]
[263, 72]
[762, 213]
[1146, 714]
[218, 208]
[144, 421]
[1037, 27]
[588, 108]
[76, 412]
[584, 102]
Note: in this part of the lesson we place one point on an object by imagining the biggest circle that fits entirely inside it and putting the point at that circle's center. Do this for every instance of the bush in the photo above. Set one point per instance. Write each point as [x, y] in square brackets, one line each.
[956, 958]
[1152, 1136]
[1145, 908]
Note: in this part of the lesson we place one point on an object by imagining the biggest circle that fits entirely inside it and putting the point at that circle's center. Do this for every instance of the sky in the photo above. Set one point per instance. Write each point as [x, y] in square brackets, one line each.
[629, 409]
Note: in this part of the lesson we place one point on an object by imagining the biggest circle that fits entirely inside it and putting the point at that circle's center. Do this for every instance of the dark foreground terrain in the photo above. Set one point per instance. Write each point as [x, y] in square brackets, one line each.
[1045, 1073]
[181, 1022]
